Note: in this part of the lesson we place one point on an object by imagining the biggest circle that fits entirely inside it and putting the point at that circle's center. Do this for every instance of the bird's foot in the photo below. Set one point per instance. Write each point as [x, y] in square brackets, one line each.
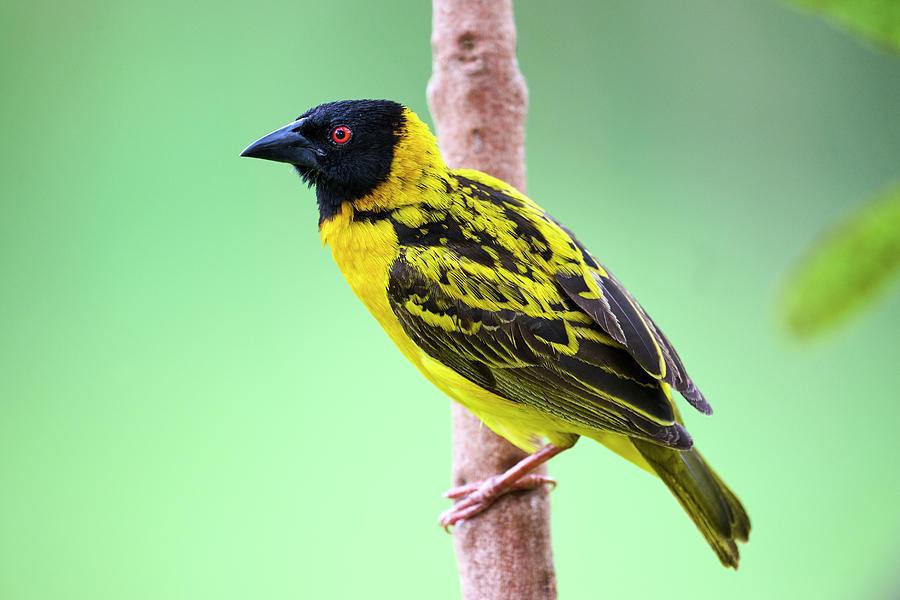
[529, 482]
[478, 496]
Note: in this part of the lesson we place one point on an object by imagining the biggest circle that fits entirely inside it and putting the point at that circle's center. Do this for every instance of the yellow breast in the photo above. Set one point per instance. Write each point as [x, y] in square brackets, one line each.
[365, 252]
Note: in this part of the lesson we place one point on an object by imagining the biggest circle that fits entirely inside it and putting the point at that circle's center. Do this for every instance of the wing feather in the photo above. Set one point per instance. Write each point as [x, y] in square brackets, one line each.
[533, 350]
[619, 314]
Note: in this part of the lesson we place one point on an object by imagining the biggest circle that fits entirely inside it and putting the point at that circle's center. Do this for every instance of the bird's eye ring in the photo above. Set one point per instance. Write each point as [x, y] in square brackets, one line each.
[340, 135]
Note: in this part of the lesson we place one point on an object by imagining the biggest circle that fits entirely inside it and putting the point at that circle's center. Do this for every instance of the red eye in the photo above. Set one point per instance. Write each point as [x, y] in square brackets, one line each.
[340, 135]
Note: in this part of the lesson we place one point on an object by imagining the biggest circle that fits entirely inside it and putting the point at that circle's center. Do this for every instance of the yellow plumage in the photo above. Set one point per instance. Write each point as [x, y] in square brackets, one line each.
[497, 304]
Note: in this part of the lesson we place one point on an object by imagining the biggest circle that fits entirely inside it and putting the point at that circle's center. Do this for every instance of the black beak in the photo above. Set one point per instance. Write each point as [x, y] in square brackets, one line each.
[285, 145]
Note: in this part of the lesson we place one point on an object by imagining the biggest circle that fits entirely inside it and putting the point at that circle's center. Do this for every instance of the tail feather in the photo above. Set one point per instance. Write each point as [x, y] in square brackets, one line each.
[715, 509]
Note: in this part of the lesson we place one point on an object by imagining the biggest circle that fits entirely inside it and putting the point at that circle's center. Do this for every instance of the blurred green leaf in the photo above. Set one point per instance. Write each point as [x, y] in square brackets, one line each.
[847, 268]
[876, 20]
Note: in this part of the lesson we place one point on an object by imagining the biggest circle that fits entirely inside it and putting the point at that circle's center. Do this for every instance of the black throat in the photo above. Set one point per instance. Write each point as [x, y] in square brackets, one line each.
[330, 195]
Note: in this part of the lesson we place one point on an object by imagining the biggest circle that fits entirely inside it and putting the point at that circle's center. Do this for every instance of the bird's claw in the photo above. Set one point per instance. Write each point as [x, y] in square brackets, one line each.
[478, 496]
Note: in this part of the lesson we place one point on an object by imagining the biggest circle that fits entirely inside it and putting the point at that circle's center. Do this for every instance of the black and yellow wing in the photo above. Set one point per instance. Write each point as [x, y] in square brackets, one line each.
[514, 331]
[586, 282]
[619, 314]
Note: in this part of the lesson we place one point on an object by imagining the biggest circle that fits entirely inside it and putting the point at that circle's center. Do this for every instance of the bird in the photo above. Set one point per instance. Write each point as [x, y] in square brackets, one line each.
[501, 307]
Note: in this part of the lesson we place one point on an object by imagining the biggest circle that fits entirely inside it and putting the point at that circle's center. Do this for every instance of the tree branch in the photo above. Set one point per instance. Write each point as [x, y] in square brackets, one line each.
[478, 99]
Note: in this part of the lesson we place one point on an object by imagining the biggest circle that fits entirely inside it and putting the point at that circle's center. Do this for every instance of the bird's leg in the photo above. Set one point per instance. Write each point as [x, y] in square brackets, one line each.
[479, 496]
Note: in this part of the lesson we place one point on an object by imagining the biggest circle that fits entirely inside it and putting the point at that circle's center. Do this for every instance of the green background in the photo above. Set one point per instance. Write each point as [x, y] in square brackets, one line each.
[194, 405]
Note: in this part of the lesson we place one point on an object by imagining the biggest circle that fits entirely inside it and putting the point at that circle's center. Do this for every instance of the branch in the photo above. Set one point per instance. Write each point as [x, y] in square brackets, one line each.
[478, 99]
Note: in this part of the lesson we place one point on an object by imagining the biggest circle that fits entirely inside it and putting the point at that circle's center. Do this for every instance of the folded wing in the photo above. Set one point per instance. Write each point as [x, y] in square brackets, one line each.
[600, 295]
[527, 341]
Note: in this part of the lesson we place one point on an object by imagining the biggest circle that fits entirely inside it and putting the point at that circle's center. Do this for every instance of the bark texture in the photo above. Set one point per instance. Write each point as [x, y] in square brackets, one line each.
[478, 99]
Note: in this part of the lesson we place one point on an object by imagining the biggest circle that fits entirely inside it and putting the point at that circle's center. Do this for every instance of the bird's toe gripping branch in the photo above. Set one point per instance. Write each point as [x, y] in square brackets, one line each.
[478, 497]
[528, 482]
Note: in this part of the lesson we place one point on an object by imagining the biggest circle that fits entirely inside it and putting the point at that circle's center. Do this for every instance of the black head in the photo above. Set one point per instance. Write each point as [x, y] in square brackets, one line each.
[343, 148]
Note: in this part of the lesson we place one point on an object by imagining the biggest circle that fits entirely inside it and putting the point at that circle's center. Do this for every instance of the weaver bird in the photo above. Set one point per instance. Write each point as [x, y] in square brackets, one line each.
[499, 306]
